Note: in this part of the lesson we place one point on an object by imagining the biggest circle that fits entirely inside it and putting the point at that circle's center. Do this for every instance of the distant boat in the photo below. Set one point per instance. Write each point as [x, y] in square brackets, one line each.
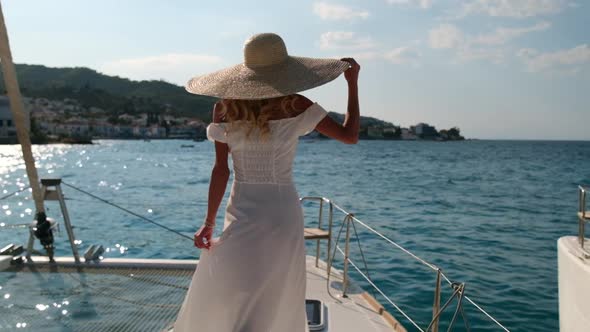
[187, 146]
[76, 140]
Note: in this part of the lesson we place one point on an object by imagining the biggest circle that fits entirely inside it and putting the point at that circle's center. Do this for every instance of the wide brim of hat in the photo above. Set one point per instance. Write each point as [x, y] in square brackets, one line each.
[294, 75]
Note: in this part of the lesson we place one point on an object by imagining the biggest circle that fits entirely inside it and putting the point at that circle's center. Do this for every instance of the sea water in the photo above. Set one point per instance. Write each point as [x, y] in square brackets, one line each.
[488, 213]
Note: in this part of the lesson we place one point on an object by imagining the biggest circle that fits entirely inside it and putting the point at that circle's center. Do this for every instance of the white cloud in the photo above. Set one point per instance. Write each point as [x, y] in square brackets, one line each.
[568, 60]
[368, 55]
[481, 47]
[513, 8]
[503, 35]
[364, 48]
[403, 55]
[470, 53]
[445, 36]
[345, 40]
[174, 67]
[424, 4]
[334, 12]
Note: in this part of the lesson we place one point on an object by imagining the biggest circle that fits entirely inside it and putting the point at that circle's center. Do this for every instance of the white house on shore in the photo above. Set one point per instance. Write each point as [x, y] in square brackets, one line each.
[408, 135]
[7, 127]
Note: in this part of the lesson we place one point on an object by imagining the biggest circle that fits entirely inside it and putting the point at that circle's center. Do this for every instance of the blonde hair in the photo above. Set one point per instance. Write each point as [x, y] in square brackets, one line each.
[250, 114]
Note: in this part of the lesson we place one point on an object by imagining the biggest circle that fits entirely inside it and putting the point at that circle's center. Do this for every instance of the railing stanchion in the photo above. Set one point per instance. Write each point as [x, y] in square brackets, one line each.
[436, 305]
[330, 220]
[317, 242]
[582, 215]
[67, 223]
[348, 220]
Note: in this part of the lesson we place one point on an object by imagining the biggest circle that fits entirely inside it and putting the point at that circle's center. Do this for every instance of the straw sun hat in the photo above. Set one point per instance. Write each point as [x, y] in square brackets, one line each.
[267, 71]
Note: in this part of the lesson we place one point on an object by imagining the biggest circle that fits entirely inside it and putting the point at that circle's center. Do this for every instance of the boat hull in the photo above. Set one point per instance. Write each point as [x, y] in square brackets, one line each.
[574, 286]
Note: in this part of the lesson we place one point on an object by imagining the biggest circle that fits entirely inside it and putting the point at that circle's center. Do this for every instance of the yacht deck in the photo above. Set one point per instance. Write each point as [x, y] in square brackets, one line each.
[145, 294]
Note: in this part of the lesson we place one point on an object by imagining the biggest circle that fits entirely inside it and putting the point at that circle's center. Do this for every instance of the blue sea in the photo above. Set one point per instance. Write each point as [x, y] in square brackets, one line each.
[488, 213]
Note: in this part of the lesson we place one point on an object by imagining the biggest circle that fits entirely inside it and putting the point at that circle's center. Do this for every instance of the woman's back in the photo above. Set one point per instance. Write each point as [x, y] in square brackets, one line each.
[259, 160]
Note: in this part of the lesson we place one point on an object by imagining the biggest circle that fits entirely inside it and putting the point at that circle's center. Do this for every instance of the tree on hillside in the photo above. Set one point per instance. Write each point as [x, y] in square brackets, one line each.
[454, 132]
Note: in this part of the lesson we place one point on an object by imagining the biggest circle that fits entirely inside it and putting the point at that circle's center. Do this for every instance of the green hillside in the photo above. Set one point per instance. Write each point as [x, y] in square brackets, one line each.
[118, 95]
[111, 93]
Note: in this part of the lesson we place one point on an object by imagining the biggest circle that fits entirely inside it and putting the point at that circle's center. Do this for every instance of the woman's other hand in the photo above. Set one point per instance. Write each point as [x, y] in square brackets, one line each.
[204, 233]
[352, 74]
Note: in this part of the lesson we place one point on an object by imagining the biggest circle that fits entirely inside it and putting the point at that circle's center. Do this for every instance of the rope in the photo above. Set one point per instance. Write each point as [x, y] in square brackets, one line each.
[14, 193]
[129, 211]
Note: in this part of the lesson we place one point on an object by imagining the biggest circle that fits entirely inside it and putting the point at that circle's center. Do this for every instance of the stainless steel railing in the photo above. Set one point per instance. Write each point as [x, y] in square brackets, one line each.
[349, 222]
[583, 215]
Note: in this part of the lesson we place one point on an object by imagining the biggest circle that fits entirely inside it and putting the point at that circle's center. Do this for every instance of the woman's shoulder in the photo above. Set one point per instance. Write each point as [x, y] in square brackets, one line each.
[301, 103]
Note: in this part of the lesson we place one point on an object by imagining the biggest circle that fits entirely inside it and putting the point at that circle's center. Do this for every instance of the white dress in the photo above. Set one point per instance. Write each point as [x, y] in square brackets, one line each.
[253, 279]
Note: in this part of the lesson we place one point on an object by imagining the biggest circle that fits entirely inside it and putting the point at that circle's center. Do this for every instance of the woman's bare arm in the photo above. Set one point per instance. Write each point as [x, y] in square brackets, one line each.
[219, 173]
[348, 132]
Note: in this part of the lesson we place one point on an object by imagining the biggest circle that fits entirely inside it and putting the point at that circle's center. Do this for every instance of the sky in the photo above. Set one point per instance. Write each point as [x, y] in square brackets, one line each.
[497, 69]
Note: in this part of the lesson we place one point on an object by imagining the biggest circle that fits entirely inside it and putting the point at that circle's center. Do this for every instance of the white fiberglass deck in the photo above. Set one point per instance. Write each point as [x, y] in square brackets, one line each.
[358, 312]
[145, 295]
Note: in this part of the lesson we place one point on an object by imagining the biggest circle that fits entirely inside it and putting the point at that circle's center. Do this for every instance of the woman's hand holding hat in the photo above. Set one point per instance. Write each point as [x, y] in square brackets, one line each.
[352, 73]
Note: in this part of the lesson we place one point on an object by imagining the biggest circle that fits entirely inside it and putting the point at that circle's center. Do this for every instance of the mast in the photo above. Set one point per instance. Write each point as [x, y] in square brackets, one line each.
[18, 113]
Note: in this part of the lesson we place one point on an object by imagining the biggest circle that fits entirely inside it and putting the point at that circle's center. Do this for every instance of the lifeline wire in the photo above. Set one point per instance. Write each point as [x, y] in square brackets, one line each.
[14, 193]
[129, 211]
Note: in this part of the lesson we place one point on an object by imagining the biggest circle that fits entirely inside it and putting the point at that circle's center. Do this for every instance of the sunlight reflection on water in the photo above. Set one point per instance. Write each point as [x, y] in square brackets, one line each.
[466, 207]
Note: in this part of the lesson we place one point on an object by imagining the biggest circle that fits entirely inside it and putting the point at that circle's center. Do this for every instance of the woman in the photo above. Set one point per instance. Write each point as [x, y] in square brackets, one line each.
[252, 278]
